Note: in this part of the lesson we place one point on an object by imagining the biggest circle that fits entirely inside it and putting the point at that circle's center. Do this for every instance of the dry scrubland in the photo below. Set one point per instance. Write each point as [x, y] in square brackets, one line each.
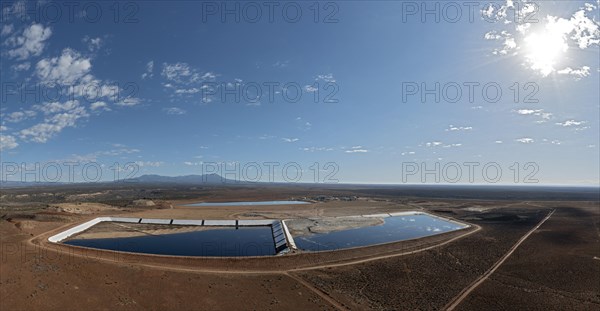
[556, 268]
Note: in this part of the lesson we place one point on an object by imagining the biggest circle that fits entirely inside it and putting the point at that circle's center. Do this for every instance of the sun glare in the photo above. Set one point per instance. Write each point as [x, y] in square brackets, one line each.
[544, 50]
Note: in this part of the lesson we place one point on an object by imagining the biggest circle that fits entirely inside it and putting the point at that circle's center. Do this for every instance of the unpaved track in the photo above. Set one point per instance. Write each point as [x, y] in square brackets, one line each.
[317, 291]
[466, 291]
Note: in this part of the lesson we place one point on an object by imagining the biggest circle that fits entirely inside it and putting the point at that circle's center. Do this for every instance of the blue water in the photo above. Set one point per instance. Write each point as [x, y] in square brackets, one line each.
[394, 229]
[244, 241]
[248, 203]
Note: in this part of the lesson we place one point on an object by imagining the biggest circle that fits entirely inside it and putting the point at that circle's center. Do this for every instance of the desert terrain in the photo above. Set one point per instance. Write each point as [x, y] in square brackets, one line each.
[525, 250]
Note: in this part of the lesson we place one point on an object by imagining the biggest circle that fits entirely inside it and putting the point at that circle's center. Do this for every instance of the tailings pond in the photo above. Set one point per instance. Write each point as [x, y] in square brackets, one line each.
[222, 241]
[247, 203]
[396, 228]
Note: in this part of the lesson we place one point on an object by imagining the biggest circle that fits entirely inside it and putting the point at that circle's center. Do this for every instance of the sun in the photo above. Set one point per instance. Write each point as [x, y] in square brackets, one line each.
[543, 50]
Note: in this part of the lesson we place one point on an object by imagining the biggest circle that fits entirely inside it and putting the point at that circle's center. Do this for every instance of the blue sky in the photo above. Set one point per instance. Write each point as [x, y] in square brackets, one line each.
[157, 76]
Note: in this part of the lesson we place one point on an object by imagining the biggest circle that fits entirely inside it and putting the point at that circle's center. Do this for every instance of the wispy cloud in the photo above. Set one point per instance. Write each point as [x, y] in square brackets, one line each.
[570, 123]
[18, 116]
[149, 163]
[55, 123]
[452, 128]
[129, 102]
[577, 125]
[99, 106]
[174, 111]
[7, 142]
[314, 149]
[357, 149]
[149, 70]
[525, 140]
[543, 116]
[578, 73]
[93, 44]
[281, 64]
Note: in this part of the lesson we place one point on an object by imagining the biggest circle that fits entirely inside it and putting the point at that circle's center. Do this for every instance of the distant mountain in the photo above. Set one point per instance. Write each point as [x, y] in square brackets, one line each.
[20, 184]
[208, 179]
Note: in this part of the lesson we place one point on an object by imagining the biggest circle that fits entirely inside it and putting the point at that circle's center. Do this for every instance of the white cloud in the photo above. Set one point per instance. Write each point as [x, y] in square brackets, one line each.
[578, 72]
[3, 128]
[21, 67]
[18, 10]
[585, 31]
[19, 116]
[433, 144]
[188, 163]
[525, 140]
[313, 149]
[93, 44]
[578, 125]
[183, 73]
[128, 102]
[7, 142]
[508, 42]
[193, 90]
[99, 106]
[55, 107]
[121, 149]
[174, 111]
[527, 111]
[452, 145]
[65, 69]
[149, 70]
[544, 116]
[184, 80]
[310, 88]
[452, 128]
[265, 137]
[326, 77]
[6, 30]
[290, 140]
[149, 163]
[357, 151]
[53, 125]
[544, 46]
[569, 123]
[281, 64]
[31, 43]
[211, 76]
[498, 142]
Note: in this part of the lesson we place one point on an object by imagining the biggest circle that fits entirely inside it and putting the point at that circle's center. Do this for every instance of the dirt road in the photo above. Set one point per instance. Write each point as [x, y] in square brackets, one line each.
[465, 292]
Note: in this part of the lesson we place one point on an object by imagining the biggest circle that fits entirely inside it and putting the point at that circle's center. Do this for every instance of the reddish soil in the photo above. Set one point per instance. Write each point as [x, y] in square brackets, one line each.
[554, 268]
